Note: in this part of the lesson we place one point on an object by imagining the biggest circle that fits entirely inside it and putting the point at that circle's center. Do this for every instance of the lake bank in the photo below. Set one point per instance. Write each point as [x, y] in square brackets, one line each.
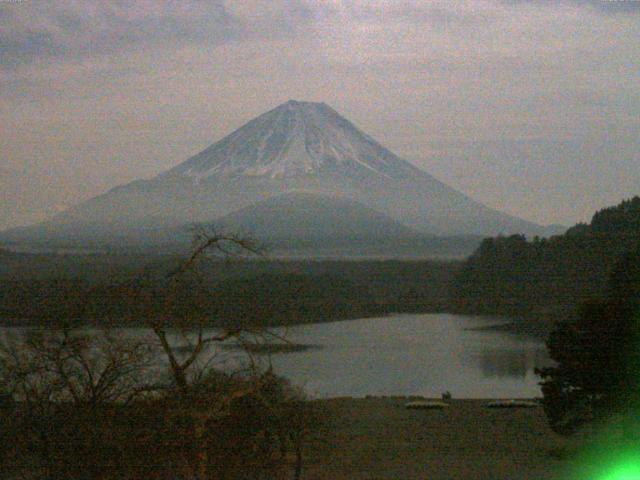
[419, 354]
[366, 438]
[524, 328]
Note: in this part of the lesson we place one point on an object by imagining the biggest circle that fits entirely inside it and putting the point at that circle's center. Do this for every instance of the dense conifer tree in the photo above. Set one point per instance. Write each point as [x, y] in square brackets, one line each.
[598, 356]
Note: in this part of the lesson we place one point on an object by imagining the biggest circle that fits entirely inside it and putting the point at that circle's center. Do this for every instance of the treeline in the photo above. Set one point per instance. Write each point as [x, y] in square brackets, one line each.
[547, 278]
[220, 293]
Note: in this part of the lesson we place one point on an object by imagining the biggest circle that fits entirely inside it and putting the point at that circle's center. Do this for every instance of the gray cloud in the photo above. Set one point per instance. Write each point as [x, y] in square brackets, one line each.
[410, 11]
[495, 97]
[33, 30]
[604, 6]
[74, 30]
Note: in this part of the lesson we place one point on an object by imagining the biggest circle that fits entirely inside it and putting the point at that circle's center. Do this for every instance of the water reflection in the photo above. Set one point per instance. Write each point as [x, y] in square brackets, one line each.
[510, 363]
[399, 355]
[414, 354]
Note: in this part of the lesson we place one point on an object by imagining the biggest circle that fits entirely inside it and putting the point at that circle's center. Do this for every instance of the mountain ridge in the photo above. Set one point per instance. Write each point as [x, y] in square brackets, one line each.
[297, 146]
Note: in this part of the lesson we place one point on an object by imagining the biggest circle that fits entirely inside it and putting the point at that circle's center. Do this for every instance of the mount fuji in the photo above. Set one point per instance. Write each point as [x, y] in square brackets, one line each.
[297, 150]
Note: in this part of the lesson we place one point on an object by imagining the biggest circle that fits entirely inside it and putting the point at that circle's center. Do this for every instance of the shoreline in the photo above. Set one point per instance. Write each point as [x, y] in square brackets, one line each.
[513, 326]
[517, 327]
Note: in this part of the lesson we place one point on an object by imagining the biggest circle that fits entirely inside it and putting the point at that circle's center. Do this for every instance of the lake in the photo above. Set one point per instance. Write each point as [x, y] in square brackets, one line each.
[417, 354]
[424, 354]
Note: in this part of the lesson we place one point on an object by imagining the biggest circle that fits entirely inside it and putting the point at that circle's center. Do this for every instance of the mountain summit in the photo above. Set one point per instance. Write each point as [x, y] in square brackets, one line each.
[292, 140]
[298, 147]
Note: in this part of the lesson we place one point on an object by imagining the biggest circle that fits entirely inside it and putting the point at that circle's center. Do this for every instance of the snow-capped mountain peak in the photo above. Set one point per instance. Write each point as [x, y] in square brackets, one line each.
[297, 146]
[295, 139]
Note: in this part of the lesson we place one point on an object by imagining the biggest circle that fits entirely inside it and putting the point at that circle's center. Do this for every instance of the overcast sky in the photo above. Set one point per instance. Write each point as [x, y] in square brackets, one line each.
[531, 107]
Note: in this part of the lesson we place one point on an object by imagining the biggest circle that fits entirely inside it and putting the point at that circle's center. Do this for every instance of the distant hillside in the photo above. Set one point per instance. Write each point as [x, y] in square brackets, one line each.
[547, 277]
[292, 225]
[313, 217]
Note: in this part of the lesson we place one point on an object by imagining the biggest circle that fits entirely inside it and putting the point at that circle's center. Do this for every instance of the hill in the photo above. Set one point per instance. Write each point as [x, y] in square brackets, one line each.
[547, 278]
[313, 217]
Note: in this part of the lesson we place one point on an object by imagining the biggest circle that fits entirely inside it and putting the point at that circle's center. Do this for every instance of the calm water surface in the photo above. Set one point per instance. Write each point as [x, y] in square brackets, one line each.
[424, 354]
[413, 354]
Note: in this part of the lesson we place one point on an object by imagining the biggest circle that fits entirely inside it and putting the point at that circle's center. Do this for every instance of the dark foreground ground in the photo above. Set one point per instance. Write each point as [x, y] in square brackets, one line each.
[377, 438]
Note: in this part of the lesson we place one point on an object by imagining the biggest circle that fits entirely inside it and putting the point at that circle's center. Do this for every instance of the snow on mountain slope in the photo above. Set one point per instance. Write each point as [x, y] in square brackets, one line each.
[294, 139]
[296, 147]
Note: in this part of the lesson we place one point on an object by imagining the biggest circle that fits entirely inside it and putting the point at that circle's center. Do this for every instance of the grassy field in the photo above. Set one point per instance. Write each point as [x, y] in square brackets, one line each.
[377, 438]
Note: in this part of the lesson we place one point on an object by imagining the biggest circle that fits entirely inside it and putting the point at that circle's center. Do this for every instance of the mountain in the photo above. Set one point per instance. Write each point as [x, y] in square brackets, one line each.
[296, 147]
[311, 217]
[301, 225]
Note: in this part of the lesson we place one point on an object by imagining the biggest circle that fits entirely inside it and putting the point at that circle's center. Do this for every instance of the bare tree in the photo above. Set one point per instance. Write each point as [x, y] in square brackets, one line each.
[83, 367]
[78, 388]
[65, 382]
[207, 244]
